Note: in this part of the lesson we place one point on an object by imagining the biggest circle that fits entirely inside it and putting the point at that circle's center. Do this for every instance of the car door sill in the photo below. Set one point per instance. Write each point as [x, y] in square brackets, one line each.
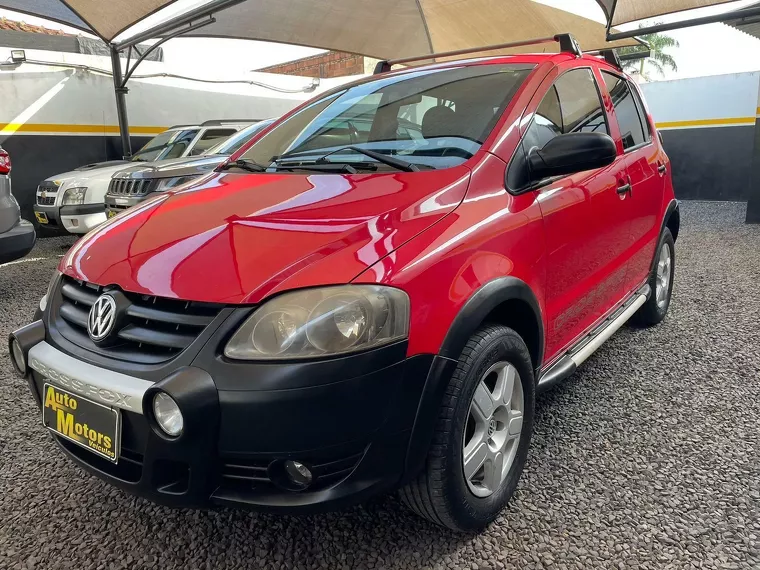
[591, 342]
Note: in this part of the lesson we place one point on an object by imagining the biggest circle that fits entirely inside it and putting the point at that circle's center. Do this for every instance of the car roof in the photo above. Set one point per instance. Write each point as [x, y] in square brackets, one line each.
[216, 123]
[534, 59]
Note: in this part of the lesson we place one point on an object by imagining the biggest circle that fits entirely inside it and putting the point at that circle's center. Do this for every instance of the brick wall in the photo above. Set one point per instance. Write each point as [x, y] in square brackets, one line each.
[324, 66]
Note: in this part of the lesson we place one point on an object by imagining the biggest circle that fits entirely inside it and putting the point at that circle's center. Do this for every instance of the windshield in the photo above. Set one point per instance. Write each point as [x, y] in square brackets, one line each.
[234, 143]
[437, 118]
[169, 144]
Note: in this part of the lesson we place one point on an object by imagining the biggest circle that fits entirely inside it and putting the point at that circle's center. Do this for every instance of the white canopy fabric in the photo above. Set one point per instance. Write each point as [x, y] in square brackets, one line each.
[394, 29]
[624, 11]
[386, 29]
[104, 18]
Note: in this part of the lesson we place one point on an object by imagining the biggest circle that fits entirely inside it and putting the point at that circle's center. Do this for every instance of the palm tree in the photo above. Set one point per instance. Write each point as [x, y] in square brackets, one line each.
[658, 59]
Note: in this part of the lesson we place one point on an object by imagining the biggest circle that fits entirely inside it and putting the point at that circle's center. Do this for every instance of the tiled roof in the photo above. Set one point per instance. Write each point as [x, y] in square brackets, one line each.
[12, 25]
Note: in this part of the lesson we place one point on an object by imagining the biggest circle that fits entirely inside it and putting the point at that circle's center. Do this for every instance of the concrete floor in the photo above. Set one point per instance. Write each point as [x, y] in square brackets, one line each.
[649, 457]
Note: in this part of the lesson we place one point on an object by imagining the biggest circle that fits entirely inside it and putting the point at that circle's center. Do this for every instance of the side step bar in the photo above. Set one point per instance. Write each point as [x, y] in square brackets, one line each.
[587, 346]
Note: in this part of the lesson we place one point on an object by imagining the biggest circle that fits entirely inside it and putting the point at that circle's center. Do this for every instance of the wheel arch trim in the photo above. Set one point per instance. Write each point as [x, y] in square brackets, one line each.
[484, 301]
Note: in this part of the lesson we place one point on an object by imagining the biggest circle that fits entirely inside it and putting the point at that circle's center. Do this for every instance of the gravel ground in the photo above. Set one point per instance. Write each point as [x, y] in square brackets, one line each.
[647, 458]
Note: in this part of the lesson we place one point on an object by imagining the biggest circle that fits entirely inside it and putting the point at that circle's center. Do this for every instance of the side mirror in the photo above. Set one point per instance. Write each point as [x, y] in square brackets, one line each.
[571, 153]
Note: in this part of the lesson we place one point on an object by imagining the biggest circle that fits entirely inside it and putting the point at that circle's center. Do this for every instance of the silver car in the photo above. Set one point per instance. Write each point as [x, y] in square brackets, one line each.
[17, 236]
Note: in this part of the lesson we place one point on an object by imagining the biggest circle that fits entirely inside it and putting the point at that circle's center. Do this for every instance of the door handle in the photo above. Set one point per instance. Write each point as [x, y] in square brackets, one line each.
[624, 189]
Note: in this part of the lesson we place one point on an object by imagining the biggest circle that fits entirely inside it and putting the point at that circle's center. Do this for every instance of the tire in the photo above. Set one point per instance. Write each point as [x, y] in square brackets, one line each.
[441, 493]
[653, 311]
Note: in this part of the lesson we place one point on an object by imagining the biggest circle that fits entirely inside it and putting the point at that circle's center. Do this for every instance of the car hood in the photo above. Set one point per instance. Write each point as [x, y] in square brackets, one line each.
[86, 177]
[237, 238]
[194, 166]
[96, 165]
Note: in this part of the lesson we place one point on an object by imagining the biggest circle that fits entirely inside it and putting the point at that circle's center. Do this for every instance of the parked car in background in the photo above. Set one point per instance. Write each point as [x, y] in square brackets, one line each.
[74, 201]
[322, 320]
[17, 236]
[136, 183]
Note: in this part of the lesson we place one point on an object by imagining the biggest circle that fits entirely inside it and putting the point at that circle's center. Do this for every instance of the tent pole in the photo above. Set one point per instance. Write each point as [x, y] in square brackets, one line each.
[121, 103]
[738, 16]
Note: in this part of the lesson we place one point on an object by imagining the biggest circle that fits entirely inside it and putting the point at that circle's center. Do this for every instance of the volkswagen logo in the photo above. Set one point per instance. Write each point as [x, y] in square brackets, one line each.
[102, 318]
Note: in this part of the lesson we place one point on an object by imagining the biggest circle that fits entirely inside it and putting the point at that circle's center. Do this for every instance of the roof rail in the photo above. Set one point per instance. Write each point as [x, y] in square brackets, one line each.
[612, 57]
[217, 122]
[567, 43]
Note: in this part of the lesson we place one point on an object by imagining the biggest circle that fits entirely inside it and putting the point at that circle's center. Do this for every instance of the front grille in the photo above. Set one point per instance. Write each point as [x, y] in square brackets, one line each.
[129, 187]
[252, 474]
[129, 468]
[48, 186]
[154, 329]
[46, 201]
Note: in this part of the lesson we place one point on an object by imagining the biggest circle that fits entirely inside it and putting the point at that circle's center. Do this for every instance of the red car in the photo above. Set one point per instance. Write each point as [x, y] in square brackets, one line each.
[349, 306]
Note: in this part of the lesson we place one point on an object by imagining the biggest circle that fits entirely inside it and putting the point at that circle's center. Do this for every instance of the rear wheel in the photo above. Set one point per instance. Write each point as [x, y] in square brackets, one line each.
[482, 434]
[661, 283]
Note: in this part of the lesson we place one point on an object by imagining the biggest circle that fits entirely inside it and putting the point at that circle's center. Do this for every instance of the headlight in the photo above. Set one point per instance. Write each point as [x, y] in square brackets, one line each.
[319, 322]
[170, 183]
[74, 196]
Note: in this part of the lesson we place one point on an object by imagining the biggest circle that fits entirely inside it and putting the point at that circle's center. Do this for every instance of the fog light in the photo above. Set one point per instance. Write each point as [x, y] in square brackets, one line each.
[168, 415]
[19, 362]
[299, 475]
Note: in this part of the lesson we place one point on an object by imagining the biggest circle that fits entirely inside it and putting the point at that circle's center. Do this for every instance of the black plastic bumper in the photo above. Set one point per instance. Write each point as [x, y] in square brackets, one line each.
[17, 242]
[350, 420]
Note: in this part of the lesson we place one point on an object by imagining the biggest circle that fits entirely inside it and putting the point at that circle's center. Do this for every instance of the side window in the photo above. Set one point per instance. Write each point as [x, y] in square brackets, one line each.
[547, 122]
[642, 113]
[178, 146]
[210, 138]
[629, 119]
[572, 105]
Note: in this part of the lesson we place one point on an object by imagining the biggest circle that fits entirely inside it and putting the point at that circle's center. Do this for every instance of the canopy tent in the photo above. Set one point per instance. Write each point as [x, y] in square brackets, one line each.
[407, 27]
[624, 11]
[104, 19]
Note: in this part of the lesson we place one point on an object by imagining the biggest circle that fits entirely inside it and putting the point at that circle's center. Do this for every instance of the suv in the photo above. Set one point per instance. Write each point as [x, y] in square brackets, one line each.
[17, 236]
[136, 183]
[74, 201]
[317, 323]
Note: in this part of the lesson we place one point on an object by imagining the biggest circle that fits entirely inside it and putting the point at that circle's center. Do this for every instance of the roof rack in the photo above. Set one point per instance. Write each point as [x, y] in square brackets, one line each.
[217, 122]
[613, 58]
[567, 43]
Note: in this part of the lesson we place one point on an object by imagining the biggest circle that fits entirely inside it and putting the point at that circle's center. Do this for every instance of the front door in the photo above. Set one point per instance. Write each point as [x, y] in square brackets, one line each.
[586, 218]
[646, 165]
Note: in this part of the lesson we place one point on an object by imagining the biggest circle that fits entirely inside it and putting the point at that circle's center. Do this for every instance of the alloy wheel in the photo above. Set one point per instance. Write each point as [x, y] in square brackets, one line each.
[663, 276]
[492, 432]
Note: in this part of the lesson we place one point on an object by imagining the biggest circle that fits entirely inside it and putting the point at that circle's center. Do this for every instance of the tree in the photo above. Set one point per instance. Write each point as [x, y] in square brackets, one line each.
[658, 59]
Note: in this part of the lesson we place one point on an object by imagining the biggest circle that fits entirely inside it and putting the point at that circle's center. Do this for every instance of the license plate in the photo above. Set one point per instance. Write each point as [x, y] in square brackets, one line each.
[121, 201]
[41, 217]
[111, 213]
[86, 423]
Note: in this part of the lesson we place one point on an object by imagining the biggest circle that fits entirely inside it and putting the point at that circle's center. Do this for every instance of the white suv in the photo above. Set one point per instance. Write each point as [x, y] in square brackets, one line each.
[74, 201]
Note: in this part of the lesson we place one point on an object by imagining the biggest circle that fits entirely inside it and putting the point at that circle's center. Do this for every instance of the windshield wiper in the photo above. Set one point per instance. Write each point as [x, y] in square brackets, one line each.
[326, 166]
[244, 164]
[378, 156]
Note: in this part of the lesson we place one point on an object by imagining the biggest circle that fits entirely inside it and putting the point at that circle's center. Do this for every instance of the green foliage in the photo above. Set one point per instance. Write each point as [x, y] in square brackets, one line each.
[658, 60]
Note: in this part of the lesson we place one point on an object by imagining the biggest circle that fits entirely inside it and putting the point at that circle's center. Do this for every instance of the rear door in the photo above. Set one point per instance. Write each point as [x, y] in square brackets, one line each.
[586, 220]
[646, 165]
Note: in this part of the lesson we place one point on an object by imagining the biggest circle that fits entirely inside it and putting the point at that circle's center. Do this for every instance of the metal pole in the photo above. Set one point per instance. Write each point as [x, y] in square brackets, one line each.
[743, 16]
[121, 103]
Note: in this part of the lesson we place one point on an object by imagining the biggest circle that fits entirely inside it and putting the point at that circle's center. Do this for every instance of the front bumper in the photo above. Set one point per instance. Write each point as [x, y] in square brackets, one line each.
[117, 204]
[82, 219]
[74, 219]
[350, 420]
[17, 242]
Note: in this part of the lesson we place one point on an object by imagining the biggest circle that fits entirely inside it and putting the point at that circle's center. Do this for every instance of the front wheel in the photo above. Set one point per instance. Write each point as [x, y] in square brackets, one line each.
[482, 434]
[661, 283]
